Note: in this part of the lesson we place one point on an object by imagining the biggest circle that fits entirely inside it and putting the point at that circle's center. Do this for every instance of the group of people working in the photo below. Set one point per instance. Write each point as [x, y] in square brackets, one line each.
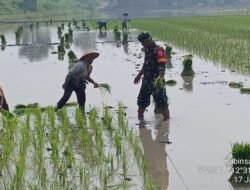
[103, 23]
[154, 66]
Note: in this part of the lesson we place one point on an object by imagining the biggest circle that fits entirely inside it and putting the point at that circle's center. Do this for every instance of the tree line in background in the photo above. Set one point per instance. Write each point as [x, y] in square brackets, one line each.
[17, 6]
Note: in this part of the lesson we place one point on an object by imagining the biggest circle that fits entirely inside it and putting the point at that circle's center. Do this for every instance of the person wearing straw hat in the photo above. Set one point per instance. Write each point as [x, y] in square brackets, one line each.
[3, 103]
[77, 78]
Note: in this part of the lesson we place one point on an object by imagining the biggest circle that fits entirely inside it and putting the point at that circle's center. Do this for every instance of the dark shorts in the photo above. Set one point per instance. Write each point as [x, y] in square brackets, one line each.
[148, 89]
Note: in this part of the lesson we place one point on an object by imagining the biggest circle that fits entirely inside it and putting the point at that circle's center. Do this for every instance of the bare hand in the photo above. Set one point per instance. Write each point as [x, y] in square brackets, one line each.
[137, 79]
[96, 85]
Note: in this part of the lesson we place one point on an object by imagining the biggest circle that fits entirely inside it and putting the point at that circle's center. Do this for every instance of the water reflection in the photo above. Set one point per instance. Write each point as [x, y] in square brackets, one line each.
[84, 40]
[102, 35]
[188, 83]
[154, 151]
[169, 63]
[125, 47]
[40, 48]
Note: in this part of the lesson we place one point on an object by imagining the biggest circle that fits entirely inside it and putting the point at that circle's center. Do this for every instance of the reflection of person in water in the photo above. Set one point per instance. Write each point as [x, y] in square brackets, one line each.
[155, 154]
[102, 34]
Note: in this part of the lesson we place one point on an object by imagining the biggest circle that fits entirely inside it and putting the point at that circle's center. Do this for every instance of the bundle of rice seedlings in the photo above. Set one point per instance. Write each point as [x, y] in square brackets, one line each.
[105, 87]
[236, 84]
[170, 82]
[159, 82]
[168, 50]
[72, 56]
[187, 66]
[240, 163]
[245, 90]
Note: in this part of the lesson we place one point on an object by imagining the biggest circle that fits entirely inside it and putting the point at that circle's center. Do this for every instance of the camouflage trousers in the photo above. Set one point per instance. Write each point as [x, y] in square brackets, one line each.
[148, 89]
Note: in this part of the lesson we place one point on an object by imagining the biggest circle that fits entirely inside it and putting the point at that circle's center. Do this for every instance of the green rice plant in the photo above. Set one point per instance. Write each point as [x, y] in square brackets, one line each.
[240, 163]
[117, 33]
[3, 40]
[107, 118]
[59, 31]
[67, 38]
[187, 66]
[168, 50]
[118, 143]
[171, 82]
[61, 40]
[236, 84]
[62, 26]
[159, 82]
[70, 32]
[60, 49]
[7, 139]
[72, 56]
[105, 87]
[221, 39]
[244, 90]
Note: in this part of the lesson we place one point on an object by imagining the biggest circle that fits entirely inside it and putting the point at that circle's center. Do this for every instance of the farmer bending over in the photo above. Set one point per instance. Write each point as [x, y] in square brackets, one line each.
[153, 67]
[77, 78]
[102, 24]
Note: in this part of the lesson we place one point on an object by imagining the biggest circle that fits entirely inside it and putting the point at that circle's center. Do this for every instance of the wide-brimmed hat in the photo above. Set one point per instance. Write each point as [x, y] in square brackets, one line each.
[90, 54]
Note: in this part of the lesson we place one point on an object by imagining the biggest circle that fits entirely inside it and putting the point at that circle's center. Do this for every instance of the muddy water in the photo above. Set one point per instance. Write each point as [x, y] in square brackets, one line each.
[206, 114]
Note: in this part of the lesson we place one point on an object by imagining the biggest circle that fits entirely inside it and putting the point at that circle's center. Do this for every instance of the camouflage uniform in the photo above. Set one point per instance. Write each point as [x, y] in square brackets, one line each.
[151, 71]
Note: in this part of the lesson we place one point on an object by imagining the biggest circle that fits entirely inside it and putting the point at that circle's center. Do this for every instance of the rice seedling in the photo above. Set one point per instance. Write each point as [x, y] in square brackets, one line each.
[80, 153]
[3, 40]
[60, 49]
[105, 87]
[240, 163]
[72, 56]
[245, 90]
[59, 32]
[67, 38]
[170, 82]
[117, 33]
[233, 84]
[62, 26]
[168, 50]
[187, 66]
[159, 82]
[222, 39]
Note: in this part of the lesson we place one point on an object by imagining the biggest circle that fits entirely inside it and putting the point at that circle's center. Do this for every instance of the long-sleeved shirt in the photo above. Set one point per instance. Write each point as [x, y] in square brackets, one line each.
[79, 71]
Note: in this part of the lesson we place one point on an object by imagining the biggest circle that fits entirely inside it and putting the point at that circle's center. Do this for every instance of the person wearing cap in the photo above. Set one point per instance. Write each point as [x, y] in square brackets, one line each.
[3, 103]
[153, 67]
[77, 78]
[124, 21]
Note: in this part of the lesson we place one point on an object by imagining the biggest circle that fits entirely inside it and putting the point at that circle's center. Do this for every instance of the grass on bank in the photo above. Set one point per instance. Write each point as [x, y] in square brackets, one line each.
[223, 39]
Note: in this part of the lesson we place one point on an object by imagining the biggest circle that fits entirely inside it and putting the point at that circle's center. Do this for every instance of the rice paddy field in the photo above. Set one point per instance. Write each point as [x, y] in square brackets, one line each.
[107, 147]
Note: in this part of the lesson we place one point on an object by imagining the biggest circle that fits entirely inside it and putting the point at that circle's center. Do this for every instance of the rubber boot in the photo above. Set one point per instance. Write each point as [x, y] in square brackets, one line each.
[165, 114]
[141, 111]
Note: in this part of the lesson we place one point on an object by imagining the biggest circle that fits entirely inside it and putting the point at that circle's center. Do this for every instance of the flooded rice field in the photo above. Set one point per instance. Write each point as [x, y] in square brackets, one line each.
[190, 151]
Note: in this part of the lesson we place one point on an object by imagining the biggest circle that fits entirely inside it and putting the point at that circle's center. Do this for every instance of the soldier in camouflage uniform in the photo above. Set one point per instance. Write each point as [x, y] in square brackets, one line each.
[153, 67]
